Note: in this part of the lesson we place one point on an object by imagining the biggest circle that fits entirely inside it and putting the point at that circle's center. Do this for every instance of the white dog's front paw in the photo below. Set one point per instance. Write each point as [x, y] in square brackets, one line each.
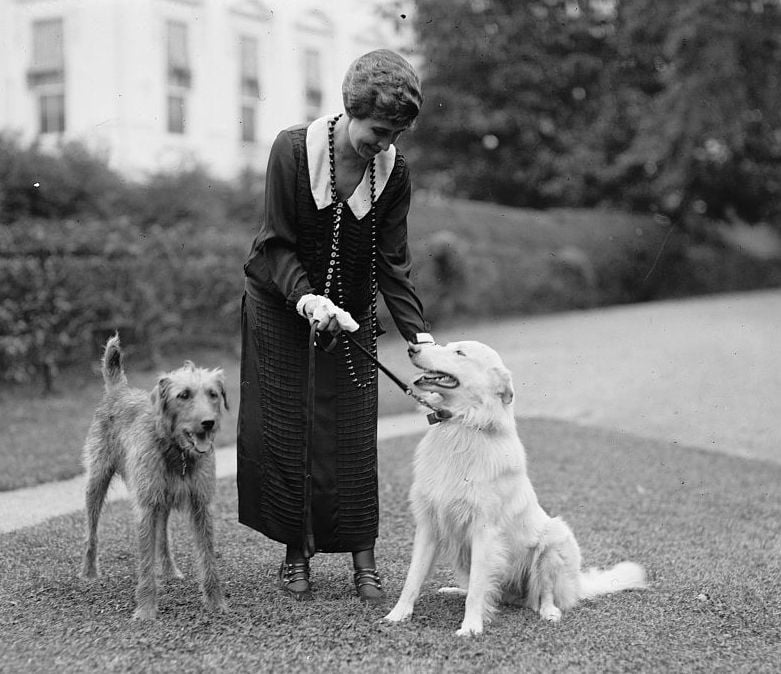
[550, 613]
[470, 628]
[459, 591]
[398, 614]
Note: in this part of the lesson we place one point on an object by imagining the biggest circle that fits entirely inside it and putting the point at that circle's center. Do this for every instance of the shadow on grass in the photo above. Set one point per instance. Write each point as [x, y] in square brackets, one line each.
[704, 525]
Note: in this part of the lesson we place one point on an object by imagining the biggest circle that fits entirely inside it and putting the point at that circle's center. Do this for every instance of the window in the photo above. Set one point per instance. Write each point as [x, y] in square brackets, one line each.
[250, 87]
[313, 88]
[176, 114]
[46, 76]
[179, 76]
[248, 124]
[51, 108]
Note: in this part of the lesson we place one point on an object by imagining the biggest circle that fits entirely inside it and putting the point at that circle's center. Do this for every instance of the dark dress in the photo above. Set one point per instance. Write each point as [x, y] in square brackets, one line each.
[289, 258]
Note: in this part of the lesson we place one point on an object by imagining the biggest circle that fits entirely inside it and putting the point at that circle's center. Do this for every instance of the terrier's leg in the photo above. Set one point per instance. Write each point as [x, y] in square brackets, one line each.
[99, 474]
[146, 589]
[169, 567]
[204, 541]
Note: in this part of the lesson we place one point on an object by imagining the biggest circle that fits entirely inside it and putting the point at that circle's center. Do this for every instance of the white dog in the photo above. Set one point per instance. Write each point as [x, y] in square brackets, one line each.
[473, 502]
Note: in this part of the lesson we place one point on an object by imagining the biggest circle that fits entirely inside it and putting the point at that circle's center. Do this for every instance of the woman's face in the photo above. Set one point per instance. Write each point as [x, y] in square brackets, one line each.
[371, 135]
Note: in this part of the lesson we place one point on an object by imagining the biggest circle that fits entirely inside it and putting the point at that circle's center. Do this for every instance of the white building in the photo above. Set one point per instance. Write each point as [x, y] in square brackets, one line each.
[163, 84]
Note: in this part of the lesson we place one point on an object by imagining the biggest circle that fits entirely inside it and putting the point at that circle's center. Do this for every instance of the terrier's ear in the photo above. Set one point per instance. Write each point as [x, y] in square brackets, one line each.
[505, 391]
[160, 393]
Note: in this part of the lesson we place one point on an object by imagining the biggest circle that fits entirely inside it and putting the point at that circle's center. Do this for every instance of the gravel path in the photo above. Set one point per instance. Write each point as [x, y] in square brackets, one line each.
[704, 372]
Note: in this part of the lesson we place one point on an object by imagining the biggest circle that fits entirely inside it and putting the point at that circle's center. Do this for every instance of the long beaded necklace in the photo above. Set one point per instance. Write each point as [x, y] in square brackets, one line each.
[333, 278]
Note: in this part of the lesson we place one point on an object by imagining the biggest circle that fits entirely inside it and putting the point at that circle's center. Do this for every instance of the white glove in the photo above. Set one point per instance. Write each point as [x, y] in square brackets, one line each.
[321, 310]
[423, 338]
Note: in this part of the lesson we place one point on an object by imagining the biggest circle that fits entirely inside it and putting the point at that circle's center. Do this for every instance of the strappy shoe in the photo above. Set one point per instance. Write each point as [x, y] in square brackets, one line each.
[368, 585]
[297, 572]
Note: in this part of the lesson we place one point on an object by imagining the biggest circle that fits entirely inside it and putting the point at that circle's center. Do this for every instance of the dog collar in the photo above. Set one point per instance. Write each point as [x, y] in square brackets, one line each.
[438, 415]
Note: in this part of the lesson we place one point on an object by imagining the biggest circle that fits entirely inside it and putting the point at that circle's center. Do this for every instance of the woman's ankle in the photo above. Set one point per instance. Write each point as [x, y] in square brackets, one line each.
[364, 559]
[294, 555]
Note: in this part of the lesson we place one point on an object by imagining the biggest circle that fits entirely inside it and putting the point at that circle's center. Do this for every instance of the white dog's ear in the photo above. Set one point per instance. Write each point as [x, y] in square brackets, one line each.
[219, 375]
[506, 390]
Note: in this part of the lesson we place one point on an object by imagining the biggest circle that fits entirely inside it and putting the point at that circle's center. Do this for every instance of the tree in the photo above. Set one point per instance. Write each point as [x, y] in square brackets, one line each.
[657, 105]
[707, 138]
[510, 89]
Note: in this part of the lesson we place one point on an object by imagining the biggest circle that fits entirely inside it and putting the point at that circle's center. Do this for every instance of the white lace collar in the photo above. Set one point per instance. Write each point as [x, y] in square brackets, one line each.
[360, 200]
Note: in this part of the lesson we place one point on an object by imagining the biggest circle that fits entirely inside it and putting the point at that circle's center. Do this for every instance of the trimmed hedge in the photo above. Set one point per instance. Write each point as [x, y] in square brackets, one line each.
[68, 284]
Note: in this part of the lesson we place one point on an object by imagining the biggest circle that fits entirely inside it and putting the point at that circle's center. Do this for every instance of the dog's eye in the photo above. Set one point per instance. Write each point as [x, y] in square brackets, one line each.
[459, 352]
[213, 394]
[185, 394]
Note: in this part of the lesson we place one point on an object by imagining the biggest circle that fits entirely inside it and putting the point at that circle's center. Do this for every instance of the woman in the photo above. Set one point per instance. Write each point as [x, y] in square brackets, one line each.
[334, 233]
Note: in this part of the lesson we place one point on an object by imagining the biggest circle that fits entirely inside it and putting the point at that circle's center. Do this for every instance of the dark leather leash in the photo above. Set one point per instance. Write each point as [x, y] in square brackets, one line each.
[438, 414]
[308, 542]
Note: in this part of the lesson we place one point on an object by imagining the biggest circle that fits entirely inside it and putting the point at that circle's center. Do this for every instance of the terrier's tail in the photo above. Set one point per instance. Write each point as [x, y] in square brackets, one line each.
[623, 576]
[111, 365]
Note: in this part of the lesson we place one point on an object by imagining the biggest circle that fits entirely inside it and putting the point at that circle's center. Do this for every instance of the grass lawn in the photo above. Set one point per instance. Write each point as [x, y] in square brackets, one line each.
[705, 526]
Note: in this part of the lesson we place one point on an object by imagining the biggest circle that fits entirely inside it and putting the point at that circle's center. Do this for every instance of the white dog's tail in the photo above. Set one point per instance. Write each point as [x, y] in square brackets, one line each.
[623, 576]
[111, 366]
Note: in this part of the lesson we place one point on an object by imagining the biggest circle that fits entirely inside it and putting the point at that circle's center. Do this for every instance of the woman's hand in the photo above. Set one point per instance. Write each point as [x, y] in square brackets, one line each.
[321, 310]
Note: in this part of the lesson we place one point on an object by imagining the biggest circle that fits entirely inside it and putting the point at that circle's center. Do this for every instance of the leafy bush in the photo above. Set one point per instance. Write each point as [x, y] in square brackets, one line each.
[84, 251]
[72, 183]
[195, 197]
[67, 284]
[78, 184]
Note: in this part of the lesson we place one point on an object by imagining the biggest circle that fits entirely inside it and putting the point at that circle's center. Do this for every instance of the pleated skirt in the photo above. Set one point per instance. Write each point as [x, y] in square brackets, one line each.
[272, 422]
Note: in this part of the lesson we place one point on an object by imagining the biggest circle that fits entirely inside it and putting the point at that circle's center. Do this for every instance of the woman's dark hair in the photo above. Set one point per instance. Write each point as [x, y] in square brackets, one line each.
[382, 84]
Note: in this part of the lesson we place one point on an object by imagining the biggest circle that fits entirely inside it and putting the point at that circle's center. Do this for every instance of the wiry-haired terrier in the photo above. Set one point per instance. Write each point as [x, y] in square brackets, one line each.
[162, 445]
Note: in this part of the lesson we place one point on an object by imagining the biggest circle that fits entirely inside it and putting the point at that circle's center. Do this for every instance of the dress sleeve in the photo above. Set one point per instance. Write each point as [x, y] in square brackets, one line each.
[276, 240]
[394, 265]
